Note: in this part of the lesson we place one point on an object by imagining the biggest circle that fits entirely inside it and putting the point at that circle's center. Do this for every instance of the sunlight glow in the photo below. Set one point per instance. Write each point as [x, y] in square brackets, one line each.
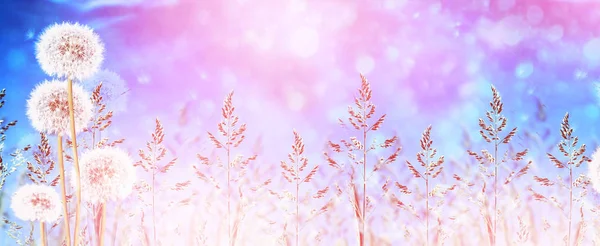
[304, 42]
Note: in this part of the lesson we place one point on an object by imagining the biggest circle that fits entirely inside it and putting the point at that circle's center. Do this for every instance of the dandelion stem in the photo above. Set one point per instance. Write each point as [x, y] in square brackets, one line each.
[43, 233]
[115, 224]
[75, 160]
[61, 166]
[102, 223]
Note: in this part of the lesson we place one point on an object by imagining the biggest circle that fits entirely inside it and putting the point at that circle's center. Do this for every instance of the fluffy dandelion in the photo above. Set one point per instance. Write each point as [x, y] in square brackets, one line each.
[33, 202]
[594, 170]
[69, 49]
[113, 91]
[107, 174]
[48, 109]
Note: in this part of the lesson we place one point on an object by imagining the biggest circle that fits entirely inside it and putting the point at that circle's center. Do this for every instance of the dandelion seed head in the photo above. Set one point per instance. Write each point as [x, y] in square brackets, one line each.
[594, 170]
[48, 108]
[113, 91]
[69, 49]
[107, 174]
[32, 202]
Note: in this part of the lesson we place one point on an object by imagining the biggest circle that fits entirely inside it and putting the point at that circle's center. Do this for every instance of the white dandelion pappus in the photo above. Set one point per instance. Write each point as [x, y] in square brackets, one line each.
[68, 49]
[113, 91]
[594, 170]
[32, 202]
[48, 108]
[107, 174]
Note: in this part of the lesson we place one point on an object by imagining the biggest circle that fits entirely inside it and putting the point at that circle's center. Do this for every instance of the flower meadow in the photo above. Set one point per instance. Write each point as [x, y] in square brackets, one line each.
[237, 171]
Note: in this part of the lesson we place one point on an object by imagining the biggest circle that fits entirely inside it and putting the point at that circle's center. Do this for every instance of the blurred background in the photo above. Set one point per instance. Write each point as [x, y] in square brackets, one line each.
[295, 64]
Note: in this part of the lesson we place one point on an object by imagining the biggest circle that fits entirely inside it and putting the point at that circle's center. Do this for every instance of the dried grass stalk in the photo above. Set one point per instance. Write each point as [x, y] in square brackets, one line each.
[362, 119]
[294, 172]
[4, 126]
[575, 157]
[431, 169]
[41, 172]
[491, 130]
[230, 136]
[101, 122]
[12, 229]
[151, 157]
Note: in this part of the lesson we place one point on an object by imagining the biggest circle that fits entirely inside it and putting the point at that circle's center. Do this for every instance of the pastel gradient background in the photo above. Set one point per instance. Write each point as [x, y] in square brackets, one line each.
[295, 64]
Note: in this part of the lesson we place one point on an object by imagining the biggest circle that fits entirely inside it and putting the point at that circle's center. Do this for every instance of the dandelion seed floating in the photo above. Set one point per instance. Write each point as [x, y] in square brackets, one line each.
[69, 49]
[107, 174]
[48, 110]
[113, 91]
[34, 202]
